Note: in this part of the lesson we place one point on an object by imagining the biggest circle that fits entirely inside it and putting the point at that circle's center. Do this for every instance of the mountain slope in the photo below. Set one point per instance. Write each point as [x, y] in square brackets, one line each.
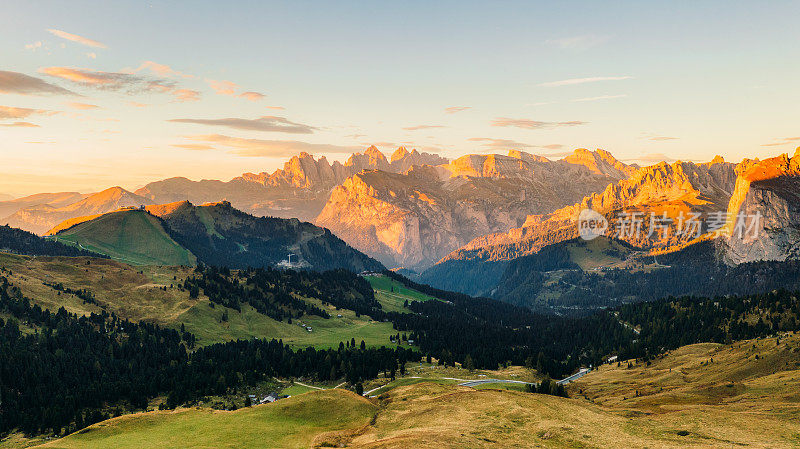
[215, 233]
[415, 218]
[42, 217]
[131, 236]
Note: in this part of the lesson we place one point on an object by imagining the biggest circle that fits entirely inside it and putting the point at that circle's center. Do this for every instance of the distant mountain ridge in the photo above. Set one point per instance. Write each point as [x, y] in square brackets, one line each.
[298, 190]
[39, 218]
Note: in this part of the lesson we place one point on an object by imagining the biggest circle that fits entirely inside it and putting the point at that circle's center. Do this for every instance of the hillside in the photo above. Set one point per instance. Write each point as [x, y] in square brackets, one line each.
[155, 294]
[703, 395]
[17, 241]
[215, 234]
[54, 200]
[131, 236]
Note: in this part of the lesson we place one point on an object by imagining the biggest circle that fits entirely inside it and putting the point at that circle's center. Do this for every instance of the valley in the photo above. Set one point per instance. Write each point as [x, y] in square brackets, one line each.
[703, 395]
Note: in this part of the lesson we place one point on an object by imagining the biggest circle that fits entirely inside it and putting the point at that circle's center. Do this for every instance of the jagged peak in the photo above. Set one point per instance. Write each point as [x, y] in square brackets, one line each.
[718, 160]
[399, 154]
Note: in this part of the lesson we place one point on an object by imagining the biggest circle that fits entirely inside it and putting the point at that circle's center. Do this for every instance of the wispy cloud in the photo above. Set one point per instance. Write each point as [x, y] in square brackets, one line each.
[454, 109]
[266, 123]
[131, 83]
[223, 87]
[19, 125]
[79, 39]
[269, 148]
[82, 106]
[19, 83]
[136, 104]
[601, 97]
[532, 124]
[34, 46]
[652, 158]
[781, 142]
[499, 143]
[95, 78]
[510, 144]
[656, 137]
[420, 127]
[594, 79]
[577, 42]
[9, 112]
[252, 96]
[161, 70]
[91, 55]
[184, 95]
[193, 146]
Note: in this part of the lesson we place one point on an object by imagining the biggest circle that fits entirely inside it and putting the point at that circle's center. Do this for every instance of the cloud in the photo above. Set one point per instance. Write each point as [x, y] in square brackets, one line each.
[223, 87]
[652, 158]
[94, 78]
[9, 112]
[121, 81]
[193, 146]
[161, 69]
[185, 95]
[506, 143]
[252, 96]
[577, 42]
[79, 39]
[419, 127]
[279, 108]
[662, 138]
[454, 109]
[601, 97]
[34, 46]
[594, 79]
[266, 123]
[780, 142]
[91, 55]
[18, 83]
[270, 148]
[136, 104]
[532, 124]
[82, 106]
[20, 124]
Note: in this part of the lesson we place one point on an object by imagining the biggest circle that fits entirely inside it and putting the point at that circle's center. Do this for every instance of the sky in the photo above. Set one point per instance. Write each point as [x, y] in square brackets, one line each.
[95, 94]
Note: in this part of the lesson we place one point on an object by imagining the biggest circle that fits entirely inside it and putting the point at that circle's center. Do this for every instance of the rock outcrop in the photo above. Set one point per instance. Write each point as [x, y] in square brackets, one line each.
[412, 219]
[764, 211]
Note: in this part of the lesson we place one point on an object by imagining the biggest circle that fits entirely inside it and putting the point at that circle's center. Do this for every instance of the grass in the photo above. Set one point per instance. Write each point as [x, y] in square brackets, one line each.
[295, 389]
[130, 236]
[205, 322]
[296, 422]
[734, 401]
[392, 294]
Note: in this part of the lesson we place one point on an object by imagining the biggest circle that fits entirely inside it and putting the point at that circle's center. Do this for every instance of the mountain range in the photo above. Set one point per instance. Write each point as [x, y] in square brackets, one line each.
[462, 218]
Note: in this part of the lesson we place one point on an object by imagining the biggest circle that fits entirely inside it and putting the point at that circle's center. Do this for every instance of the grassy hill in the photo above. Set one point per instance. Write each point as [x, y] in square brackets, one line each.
[151, 293]
[131, 236]
[684, 400]
[392, 294]
[298, 422]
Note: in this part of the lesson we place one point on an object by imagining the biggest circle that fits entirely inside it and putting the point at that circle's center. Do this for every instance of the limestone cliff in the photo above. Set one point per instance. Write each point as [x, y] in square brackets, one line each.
[770, 188]
[414, 218]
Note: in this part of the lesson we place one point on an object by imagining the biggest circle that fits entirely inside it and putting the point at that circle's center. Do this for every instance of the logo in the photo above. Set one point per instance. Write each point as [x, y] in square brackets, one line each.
[591, 224]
